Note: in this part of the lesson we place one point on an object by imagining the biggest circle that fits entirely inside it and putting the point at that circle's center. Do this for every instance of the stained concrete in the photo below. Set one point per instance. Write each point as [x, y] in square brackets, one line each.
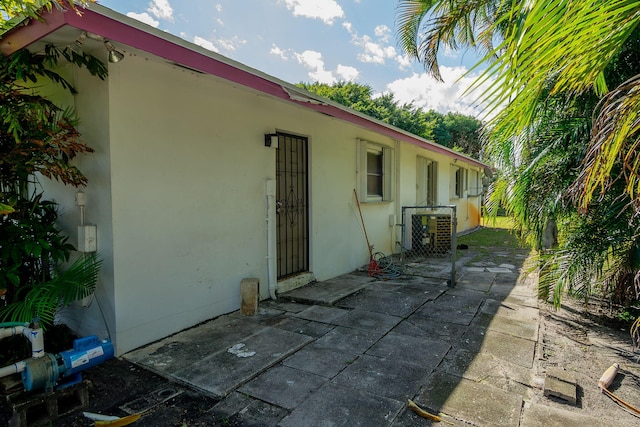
[353, 350]
[471, 401]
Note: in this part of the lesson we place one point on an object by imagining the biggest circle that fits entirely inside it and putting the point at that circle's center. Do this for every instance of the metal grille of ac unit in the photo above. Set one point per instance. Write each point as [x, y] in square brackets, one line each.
[431, 234]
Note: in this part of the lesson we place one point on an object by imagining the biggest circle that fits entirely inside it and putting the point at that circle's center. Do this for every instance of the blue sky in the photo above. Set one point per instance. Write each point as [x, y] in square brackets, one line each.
[312, 40]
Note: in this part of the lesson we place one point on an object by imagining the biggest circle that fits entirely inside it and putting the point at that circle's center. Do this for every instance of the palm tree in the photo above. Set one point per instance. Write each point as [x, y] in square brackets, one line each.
[546, 47]
[548, 74]
[425, 26]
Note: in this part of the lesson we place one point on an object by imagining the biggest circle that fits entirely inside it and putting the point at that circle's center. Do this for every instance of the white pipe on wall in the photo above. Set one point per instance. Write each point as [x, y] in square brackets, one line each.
[272, 279]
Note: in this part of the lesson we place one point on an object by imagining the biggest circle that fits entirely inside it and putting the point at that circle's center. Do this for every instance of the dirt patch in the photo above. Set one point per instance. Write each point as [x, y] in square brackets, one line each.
[119, 388]
[585, 340]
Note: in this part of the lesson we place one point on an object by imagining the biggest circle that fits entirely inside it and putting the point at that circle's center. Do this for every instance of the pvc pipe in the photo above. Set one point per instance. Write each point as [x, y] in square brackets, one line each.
[10, 332]
[271, 232]
[35, 337]
[16, 368]
[11, 324]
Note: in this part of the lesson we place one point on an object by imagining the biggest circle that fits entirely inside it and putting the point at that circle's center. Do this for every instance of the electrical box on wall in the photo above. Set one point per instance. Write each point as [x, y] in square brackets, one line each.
[87, 238]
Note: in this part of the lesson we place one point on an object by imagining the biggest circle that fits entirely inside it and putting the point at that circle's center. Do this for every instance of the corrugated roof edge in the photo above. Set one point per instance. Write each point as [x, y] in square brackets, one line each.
[114, 26]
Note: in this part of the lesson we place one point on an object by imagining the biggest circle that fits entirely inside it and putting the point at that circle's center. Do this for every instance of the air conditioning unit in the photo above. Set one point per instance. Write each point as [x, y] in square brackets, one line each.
[431, 233]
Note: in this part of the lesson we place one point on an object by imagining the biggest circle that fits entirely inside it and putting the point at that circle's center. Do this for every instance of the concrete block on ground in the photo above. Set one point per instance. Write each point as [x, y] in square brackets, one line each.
[249, 296]
[45, 408]
[561, 384]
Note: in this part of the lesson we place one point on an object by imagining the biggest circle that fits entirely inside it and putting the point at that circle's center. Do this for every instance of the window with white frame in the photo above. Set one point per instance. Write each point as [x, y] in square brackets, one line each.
[458, 182]
[475, 187]
[426, 181]
[376, 171]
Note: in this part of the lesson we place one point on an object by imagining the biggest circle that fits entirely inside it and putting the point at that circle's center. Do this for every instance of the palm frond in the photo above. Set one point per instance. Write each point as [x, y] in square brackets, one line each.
[563, 44]
[615, 140]
[424, 27]
[43, 299]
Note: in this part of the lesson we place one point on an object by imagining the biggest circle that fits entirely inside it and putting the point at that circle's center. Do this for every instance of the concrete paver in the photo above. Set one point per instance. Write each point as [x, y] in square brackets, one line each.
[368, 320]
[473, 402]
[536, 415]
[383, 377]
[335, 405]
[283, 386]
[426, 352]
[320, 361]
[352, 350]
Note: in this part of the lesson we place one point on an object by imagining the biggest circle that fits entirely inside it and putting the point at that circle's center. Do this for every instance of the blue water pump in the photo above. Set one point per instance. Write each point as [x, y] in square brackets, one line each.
[64, 369]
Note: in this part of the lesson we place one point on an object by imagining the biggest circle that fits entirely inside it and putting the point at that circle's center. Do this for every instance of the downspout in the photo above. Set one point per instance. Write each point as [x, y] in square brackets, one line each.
[271, 233]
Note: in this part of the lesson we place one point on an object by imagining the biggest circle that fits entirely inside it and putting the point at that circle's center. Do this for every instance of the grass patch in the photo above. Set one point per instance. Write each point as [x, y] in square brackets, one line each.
[489, 237]
[504, 222]
[495, 233]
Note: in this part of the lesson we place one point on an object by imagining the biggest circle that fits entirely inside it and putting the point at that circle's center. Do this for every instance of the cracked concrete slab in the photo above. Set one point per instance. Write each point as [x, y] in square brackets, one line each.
[390, 378]
[470, 401]
[283, 386]
[426, 352]
[337, 406]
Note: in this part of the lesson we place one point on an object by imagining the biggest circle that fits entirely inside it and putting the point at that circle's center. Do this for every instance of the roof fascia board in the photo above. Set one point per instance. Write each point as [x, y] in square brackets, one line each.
[113, 26]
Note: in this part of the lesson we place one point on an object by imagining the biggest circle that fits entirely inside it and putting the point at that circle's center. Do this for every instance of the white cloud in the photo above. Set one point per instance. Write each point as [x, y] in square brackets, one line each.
[161, 9]
[207, 44]
[404, 62]
[429, 94]
[230, 44]
[313, 61]
[347, 73]
[383, 32]
[325, 10]
[275, 50]
[310, 59]
[219, 7]
[348, 26]
[374, 52]
[322, 76]
[216, 45]
[144, 17]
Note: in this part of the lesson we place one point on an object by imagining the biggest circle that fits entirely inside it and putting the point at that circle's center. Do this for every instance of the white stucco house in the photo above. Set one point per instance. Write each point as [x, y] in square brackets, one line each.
[206, 172]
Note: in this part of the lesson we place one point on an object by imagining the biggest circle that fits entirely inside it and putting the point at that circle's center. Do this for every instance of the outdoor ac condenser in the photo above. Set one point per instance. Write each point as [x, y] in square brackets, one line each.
[431, 233]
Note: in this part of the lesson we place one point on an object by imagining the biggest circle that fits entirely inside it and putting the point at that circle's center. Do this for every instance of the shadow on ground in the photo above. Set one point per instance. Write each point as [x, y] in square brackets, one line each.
[353, 350]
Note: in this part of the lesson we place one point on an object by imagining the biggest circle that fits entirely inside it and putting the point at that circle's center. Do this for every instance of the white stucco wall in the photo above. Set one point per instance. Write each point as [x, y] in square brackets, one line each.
[91, 103]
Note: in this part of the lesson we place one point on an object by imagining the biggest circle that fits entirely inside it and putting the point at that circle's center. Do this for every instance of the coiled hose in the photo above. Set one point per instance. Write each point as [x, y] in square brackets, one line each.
[387, 269]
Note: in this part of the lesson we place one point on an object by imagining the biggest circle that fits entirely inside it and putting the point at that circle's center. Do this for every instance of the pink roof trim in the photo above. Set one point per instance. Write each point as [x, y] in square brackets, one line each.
[94, 22]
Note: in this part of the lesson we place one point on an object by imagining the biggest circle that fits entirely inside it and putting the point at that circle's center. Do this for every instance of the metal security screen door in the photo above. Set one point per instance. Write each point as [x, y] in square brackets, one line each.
[292, 202]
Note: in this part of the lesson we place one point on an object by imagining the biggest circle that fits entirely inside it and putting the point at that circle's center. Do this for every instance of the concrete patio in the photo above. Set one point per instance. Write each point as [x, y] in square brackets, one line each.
[351, 352]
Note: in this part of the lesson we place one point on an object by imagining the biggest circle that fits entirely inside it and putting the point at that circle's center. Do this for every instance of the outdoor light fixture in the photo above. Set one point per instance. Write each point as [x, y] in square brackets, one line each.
[114, 55]
[271, 140]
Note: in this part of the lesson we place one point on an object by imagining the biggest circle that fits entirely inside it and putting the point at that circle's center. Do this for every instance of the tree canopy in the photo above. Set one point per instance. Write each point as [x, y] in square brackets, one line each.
[453, 130]
[10, 9]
